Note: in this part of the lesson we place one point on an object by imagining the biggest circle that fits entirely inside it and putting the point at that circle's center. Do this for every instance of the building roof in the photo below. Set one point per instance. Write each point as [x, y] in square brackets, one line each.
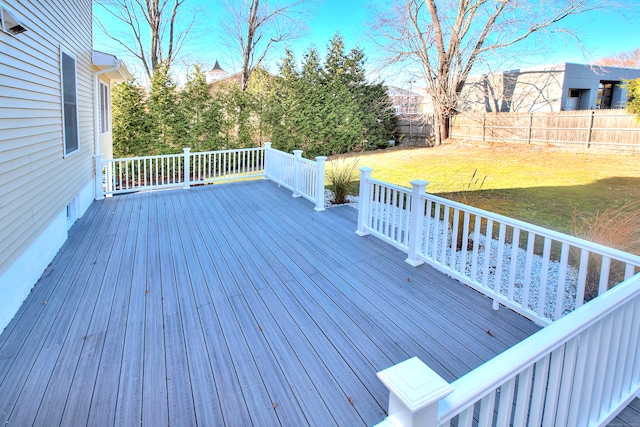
[105, 61]
[216, 69]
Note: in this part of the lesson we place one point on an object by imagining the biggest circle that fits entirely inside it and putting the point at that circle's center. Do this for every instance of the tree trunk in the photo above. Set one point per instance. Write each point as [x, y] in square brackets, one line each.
[441, 126]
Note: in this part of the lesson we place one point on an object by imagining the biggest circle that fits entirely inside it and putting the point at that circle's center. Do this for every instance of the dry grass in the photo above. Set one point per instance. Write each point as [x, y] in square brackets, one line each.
[616, 227]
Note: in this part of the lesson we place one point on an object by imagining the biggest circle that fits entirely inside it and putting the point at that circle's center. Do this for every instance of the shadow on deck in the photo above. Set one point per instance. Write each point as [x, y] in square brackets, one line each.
[232, 304]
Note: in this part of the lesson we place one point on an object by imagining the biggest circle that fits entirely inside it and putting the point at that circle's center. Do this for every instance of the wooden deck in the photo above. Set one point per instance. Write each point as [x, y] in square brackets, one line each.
[232, 305]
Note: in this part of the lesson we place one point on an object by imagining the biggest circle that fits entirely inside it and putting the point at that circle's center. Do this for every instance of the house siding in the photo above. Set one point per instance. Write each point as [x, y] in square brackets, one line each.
[37, 181]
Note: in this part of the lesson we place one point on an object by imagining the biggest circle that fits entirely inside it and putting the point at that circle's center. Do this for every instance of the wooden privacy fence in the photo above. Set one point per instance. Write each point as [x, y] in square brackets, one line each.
[601, 129]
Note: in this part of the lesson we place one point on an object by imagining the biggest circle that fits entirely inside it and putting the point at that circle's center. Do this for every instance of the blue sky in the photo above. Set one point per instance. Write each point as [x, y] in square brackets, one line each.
[602, 33]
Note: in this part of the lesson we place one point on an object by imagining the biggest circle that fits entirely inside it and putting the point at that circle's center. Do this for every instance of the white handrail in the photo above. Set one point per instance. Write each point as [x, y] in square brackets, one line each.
[584, 323]
[541, 231]
[302, 176]
[124, 175]
[541, 274]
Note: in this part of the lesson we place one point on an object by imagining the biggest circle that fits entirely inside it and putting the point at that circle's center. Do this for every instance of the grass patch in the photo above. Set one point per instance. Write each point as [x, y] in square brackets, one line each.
[540, 185]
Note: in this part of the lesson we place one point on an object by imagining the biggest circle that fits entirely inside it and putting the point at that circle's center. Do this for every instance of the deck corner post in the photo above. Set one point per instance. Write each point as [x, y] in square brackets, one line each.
[99, 191]
[187, 168]
[320, 164]
[267, 160]
[414, 393]
[416, 222]
[297, 155]
[364, 201]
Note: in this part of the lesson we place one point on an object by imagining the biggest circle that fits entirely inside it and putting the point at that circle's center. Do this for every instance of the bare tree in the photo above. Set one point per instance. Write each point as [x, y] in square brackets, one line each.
[256, 25]
[152, 26]
[444, 39]
[630, 59]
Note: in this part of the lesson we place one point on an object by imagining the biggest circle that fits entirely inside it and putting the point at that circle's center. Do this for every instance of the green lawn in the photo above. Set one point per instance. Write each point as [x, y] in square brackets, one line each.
[536, 184]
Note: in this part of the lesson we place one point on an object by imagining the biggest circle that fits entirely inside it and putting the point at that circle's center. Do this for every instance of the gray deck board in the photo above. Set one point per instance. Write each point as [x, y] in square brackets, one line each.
[629, 417]
[232, 305]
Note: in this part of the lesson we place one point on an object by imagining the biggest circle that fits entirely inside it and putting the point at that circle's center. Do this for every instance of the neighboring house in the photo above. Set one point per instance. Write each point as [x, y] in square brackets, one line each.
[216, 73]
[54, 117]
[558, 87]
[405, 102]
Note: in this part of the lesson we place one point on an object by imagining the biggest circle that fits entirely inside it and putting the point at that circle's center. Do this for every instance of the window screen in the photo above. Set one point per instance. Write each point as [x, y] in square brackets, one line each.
[70, 104]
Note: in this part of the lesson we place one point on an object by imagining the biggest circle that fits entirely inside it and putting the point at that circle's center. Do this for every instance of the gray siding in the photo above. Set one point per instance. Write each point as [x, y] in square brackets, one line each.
[36, 180]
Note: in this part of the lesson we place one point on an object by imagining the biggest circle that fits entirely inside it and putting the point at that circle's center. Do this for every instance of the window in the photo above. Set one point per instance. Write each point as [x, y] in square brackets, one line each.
[105, 108]
[69, 104]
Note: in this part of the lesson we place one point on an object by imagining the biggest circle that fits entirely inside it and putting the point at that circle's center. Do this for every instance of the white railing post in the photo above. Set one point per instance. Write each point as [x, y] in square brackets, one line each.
[414, 393]
[99, 178]
[320, 162]
[297, 155]
[416, 221]
[267, 160]
[364, 201]
[187, 168]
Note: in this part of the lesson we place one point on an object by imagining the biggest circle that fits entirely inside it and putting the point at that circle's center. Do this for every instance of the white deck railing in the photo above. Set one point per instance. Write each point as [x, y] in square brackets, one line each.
[539, 273]
[125, 175]
[304, 177]
[579, 370]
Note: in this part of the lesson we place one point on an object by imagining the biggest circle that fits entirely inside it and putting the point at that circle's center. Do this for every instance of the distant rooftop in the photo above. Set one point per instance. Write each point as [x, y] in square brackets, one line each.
[217, 69]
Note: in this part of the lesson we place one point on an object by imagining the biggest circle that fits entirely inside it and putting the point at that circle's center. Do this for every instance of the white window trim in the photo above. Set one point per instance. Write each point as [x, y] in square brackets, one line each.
[64, 143]
[106, 104]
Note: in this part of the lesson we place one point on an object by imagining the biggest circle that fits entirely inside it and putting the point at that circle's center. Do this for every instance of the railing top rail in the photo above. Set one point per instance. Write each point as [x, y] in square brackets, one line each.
[473, 386]
[309, 161]
[158, 156]
[388, 185]
[281, 153]
[541, 231]
[229, 150]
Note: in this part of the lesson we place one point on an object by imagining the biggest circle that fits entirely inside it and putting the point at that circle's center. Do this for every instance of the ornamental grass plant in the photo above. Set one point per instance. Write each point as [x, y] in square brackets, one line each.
[616, 227]
[341, 173]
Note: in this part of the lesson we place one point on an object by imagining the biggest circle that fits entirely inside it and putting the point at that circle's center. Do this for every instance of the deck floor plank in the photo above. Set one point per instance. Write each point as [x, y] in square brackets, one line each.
[68, 258]
[223, 332]
[204, 381]
[181, 410]
[79, 350]
[232, 305]
[37, 362]
[102, 409]
[234, 280]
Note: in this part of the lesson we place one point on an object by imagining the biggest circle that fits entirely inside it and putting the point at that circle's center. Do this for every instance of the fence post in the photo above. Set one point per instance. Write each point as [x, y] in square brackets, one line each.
[416, 221]
[530, 132]
[484, 126]
[320, 162]
[99, 178]
[414, 393]
[590, 128]
[364, 201]
[297, 155]
[267, 160]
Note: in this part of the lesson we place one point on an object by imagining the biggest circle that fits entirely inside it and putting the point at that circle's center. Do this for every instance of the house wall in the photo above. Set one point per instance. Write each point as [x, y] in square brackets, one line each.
[37, 180]
[524, 90]
[580, 76]
[543, 89]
